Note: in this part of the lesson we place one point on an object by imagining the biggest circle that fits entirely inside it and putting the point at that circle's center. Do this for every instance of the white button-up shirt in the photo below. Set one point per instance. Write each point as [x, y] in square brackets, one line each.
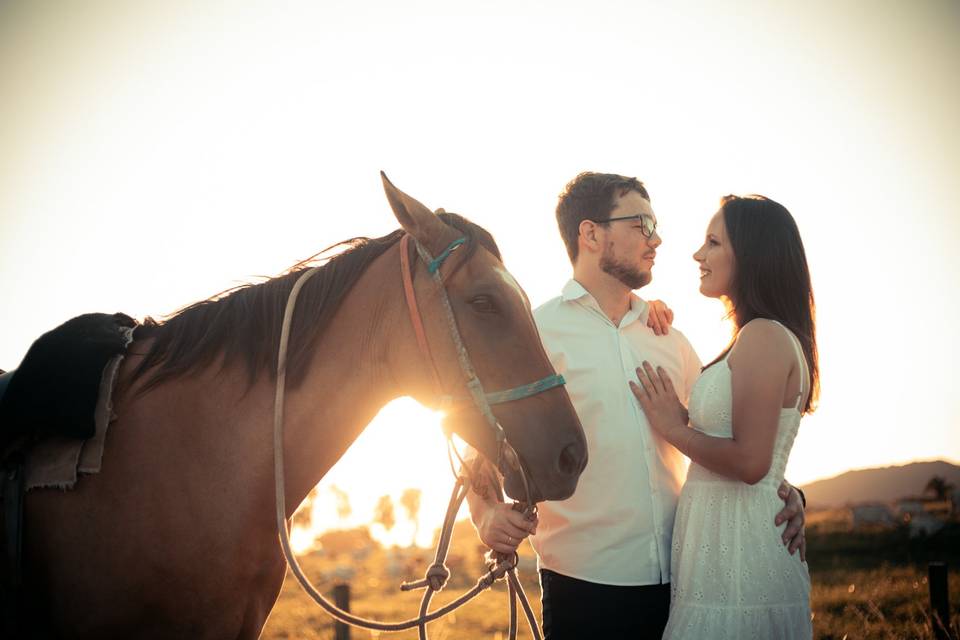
[616, 529]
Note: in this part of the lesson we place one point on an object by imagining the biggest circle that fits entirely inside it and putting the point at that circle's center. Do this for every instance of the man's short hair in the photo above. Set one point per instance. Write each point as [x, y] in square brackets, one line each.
[590, 196]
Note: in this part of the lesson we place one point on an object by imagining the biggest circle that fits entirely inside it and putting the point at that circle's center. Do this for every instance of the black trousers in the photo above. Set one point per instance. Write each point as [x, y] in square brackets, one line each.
[577, 609]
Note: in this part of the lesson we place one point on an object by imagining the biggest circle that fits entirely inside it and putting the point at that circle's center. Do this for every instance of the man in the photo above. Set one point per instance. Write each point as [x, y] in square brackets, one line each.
[604, 554]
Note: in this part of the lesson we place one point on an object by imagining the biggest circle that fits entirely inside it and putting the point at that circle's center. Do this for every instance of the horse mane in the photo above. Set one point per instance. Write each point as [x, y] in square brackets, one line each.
[243, 324]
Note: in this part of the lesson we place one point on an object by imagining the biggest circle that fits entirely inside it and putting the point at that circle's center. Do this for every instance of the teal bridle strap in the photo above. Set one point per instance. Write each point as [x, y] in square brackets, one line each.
[523, 391]
[526, 390]
[435, 263]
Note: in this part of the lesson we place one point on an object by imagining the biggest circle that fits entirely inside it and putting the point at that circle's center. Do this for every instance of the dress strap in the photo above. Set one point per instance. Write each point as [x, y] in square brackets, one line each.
[804, 374]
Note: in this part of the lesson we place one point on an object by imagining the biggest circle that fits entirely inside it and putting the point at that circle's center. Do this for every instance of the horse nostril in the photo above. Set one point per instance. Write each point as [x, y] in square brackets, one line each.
[572, 459]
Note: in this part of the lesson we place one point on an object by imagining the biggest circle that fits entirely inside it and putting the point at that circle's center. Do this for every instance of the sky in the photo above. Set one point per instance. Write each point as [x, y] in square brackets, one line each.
[155, 153]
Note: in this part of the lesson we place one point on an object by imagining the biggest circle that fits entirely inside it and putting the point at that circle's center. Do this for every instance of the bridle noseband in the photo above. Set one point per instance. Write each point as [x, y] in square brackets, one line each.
[482, 400]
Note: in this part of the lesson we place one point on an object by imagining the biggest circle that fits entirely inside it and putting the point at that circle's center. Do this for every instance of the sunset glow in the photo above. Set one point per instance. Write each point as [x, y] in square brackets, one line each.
[402, 448]
[157, 153]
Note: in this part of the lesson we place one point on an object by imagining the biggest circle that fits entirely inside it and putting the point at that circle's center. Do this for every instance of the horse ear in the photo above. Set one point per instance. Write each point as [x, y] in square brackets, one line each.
[414, 217]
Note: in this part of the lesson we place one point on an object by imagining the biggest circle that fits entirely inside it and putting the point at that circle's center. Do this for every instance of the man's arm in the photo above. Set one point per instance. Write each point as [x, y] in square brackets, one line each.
[659, 317]
[499, 526]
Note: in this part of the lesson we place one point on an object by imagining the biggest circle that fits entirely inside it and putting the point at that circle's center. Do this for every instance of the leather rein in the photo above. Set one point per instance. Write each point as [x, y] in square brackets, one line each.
[500, 565]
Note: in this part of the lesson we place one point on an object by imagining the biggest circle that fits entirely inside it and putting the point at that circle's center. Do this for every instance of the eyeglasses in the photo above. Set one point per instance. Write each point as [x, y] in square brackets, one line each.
[647, 224]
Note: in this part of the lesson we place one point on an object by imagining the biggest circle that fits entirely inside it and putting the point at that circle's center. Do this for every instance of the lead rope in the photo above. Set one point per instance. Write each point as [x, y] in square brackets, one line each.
[499, 564]
[436, 575]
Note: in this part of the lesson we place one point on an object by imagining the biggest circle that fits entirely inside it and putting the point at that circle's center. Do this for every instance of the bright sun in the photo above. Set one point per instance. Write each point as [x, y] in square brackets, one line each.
[402, 448]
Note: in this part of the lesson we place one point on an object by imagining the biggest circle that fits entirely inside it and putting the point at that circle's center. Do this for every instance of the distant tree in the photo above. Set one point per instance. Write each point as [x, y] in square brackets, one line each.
[410, 501]
[340, 541]
[343, 502]
[303, 516]
[383, 513]
[939, 487]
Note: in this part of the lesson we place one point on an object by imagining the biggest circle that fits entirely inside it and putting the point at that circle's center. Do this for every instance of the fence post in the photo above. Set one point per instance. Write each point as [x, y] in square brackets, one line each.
[939, 601]
[341, 597]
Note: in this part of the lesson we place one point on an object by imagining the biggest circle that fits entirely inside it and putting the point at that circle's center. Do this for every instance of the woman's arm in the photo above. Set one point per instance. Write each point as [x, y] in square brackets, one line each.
[760, 362]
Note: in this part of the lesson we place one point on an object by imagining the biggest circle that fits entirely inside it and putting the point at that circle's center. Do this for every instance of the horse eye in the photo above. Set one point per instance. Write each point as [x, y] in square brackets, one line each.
[483, 304]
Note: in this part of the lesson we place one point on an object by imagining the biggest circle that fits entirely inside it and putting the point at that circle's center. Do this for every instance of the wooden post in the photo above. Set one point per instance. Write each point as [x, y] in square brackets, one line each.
[341, 597]
[939, 601]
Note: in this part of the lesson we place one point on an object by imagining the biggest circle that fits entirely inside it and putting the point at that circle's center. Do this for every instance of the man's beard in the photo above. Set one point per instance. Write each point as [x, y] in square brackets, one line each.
[628, 275]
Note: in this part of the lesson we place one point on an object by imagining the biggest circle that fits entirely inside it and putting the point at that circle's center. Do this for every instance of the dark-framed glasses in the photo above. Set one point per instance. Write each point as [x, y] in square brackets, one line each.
[647, 223]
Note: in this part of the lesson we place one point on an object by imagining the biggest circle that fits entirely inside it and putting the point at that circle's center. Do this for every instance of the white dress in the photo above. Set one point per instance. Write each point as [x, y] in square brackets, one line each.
[731, 576]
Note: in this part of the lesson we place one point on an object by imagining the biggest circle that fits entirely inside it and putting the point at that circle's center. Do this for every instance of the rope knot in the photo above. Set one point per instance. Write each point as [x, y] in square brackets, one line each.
[498, 564]
[437, 576]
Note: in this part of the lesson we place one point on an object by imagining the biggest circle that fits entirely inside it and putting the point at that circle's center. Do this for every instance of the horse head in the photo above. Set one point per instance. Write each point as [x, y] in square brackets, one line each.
[471, 307]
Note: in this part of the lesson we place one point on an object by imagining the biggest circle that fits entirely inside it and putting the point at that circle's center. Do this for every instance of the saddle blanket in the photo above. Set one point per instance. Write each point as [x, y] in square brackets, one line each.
[59, 398]
[57, 461]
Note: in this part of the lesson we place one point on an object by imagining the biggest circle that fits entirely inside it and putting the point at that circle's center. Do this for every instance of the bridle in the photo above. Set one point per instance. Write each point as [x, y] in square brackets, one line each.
[482, 400]
[501, 565]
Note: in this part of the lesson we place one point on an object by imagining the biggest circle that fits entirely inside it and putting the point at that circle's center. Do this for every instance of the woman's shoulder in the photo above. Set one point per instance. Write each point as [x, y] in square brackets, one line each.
[763, 338]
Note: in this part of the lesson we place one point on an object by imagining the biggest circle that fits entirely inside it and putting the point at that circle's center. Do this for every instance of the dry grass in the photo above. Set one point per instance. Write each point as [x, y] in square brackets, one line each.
[886, 603]
[873, 583]
[374, 580]
[865, 586]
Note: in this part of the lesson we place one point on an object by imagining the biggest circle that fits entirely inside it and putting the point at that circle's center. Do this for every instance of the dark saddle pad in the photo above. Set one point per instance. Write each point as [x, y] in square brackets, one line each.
[5, 377]
[54, 390]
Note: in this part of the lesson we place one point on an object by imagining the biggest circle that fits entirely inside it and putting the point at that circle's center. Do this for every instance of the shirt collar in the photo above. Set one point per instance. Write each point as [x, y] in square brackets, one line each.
[574, 290]
[639, 309]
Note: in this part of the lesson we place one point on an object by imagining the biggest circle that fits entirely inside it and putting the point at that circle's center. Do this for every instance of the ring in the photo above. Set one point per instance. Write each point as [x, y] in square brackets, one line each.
[509, 540]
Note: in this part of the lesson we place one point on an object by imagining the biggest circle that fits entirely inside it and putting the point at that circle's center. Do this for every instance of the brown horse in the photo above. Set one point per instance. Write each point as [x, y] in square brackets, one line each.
[176, 536]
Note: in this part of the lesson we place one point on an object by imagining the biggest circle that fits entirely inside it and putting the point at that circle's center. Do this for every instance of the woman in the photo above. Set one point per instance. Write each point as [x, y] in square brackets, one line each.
[730, 578]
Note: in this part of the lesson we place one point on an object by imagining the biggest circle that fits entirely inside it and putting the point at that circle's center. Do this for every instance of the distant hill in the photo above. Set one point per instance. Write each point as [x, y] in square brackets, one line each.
[884, 484]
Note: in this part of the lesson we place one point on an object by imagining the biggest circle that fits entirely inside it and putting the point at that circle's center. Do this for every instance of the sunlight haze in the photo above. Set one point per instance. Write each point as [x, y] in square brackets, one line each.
[154, 154]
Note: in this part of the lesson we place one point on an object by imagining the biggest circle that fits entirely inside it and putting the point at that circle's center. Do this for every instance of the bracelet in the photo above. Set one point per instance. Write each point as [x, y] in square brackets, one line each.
[686, 445]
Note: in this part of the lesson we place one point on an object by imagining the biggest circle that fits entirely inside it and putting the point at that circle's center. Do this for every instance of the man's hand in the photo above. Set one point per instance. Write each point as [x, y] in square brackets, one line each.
[794, 534]
[503, 529]
[660, 317]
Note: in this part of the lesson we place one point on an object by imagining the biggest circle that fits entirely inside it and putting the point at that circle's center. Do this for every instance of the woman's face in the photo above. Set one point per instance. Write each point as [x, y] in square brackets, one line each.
[716, 260]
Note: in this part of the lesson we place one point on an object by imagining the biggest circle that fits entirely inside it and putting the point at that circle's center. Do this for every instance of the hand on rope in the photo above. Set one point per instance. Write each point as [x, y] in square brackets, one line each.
[503, 528]
[500, 565]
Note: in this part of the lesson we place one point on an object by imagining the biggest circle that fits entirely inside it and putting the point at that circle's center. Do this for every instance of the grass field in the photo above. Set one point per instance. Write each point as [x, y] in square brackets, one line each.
[865, 585]
[873, 584]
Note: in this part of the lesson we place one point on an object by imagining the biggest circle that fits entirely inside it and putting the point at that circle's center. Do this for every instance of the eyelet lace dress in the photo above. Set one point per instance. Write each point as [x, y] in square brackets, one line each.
[732, 577]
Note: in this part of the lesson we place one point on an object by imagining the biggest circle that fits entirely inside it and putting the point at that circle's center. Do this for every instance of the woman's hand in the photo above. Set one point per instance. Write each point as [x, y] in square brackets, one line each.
[654, 389]
[659, 317]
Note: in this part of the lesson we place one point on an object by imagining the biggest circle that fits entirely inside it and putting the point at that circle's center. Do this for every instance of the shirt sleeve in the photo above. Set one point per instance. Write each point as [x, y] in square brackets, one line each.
[691, 369]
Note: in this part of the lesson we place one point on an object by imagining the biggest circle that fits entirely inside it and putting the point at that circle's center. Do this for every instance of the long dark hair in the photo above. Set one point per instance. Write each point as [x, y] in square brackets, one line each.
[243, 324]
[771, 279]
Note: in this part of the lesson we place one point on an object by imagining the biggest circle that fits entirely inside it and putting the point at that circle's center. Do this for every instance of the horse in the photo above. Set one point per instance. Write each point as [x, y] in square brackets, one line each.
[177, 535]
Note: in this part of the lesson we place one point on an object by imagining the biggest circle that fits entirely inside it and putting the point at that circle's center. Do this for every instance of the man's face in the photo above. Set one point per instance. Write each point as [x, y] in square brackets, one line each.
[628, 255]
